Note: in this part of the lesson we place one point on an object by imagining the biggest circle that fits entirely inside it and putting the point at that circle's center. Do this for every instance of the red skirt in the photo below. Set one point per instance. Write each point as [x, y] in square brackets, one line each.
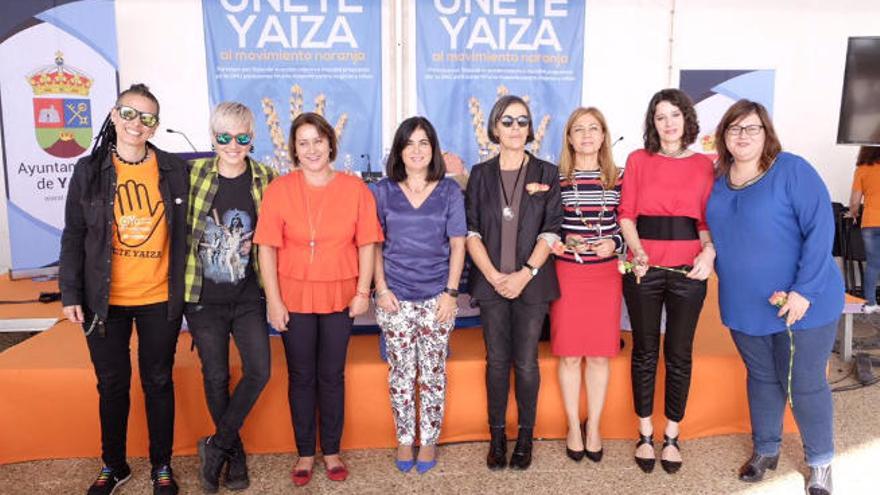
[585, 320]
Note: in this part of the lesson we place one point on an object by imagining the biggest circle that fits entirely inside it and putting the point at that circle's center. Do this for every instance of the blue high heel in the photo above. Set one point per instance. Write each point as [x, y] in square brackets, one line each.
[404, 466]
[424, 466]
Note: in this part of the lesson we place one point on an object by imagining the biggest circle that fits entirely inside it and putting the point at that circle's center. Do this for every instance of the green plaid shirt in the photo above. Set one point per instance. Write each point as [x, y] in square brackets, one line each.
[202, 188]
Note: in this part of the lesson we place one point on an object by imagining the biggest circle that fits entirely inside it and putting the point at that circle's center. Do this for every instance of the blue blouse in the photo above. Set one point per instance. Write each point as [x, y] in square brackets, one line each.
[416, 251]
[773, 235]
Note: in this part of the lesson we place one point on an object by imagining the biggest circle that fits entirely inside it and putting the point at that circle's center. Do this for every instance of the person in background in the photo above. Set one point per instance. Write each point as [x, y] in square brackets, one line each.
[122, 258]
[417, 275]
[662, 218]
[223, 292]
[771, 218]
[317, 233]
[585, 320]
[866, 186]
[513, 215]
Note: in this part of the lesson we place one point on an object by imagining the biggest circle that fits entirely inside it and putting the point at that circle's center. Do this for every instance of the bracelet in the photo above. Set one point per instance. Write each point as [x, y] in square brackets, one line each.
[451, 292]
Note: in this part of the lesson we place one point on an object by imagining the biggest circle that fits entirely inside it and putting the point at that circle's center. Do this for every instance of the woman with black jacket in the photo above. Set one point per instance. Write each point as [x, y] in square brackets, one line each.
[514, 213]
[122, 261]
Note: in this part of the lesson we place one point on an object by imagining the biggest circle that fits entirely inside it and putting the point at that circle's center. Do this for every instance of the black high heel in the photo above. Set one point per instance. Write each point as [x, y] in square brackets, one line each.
[645, 464]
[753, 470]
[594, 456]
[670, 467]
[576, 455]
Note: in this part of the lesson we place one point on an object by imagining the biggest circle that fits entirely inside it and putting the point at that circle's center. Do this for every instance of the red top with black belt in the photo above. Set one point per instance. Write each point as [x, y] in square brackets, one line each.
[664, 190]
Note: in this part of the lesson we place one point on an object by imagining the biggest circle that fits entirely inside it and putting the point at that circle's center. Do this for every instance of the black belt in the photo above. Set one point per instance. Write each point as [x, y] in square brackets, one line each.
[667, 228]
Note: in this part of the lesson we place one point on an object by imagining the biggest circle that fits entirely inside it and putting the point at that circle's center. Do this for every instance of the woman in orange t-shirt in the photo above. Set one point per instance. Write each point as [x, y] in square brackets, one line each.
[866, 184]
[316, 231]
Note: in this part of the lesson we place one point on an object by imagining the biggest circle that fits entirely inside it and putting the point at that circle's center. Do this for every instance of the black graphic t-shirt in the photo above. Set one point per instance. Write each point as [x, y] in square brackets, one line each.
[225, 249]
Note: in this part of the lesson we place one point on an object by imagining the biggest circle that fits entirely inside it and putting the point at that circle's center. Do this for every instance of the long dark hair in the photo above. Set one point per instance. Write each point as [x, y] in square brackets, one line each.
[395, 168]
[681, 100]
[106, 138]
[868, 155]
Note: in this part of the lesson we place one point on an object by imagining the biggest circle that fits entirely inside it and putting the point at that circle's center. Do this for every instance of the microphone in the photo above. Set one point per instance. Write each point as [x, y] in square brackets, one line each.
[172, 131]
[370, 176]
[612, 144]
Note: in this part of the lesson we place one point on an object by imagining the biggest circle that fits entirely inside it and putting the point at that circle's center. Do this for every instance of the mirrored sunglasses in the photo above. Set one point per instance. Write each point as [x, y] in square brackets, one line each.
[129, 113]
[508, 120]
[243, 139]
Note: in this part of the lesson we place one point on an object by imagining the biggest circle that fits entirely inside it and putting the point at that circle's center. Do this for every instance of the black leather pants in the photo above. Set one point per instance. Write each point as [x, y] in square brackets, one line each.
[683, 298]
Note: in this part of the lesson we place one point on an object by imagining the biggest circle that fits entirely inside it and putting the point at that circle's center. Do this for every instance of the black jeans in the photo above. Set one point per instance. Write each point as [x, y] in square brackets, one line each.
[315, 346]
[683, 298]
[511, 329]
[157, 342]
[211, 326]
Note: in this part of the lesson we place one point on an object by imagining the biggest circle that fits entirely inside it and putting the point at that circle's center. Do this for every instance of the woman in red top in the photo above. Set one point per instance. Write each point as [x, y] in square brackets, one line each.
[662, 218]
[317, 232]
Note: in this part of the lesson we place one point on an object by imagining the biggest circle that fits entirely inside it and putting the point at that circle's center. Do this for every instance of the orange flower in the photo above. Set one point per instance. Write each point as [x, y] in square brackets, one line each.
[536, 187]
[779, 298]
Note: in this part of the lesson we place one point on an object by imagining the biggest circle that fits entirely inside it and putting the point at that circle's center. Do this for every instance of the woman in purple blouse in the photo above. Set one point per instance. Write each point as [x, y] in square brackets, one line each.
[417, 274]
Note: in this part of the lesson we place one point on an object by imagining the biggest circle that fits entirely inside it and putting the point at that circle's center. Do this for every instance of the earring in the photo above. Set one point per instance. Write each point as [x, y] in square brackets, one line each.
[213, 148]
[252, 148]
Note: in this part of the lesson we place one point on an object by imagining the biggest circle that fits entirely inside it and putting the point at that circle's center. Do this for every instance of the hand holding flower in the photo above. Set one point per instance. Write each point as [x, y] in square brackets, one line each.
[603, 247]
[793, 308]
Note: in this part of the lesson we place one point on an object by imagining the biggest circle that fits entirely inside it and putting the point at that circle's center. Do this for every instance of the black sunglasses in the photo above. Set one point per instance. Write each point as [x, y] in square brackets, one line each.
[129, 113]
[243, 139]
[508, 120]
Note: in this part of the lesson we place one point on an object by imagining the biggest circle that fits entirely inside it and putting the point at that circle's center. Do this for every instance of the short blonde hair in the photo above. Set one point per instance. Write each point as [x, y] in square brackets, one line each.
[231, 113]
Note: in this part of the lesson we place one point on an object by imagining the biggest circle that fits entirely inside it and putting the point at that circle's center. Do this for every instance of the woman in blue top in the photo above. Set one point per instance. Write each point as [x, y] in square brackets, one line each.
[417, 274]
[771, 220]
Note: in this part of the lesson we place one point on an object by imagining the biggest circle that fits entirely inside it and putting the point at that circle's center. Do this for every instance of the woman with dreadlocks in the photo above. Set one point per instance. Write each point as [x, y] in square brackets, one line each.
[122, 261]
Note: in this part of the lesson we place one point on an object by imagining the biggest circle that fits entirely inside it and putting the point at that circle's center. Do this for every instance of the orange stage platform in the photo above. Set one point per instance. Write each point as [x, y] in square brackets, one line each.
[49, 402]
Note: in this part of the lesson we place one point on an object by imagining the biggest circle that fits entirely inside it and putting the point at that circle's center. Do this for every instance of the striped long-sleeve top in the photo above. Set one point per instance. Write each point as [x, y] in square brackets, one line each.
[590, 210]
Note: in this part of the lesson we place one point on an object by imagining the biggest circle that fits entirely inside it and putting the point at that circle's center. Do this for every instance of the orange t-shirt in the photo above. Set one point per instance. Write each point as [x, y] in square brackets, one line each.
[141, 245]
[343, 215]
[867, 181]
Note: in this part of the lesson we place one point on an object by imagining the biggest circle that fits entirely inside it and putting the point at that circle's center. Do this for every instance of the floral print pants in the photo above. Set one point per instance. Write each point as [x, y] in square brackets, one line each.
[416, 342]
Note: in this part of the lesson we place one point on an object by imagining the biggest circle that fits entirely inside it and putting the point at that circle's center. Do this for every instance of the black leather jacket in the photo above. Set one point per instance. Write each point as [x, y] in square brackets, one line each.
[86, 242]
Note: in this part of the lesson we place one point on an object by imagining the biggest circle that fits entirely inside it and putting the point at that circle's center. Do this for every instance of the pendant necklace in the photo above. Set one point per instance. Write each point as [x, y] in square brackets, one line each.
[312, 229]
[507, 212]
[584, 220]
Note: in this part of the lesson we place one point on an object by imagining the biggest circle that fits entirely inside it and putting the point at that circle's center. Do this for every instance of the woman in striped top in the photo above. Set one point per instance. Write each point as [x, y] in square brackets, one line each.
[585, 320]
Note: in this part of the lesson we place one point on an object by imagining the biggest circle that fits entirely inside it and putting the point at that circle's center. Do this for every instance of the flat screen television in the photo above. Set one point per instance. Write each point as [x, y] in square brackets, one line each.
[859, 121]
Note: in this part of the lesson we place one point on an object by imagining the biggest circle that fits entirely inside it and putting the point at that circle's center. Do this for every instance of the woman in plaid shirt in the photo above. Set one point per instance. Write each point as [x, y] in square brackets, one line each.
[222, 289]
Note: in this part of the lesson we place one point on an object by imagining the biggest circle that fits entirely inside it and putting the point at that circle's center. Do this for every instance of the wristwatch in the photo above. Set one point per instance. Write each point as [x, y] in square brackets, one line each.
[532, 269]
[451, 292]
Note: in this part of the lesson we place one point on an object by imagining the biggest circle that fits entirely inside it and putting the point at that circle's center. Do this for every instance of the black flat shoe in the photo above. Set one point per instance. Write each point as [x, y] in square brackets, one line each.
[497, 457]
[670, 467]
[645, 464]
[521, 458]
[753, 470]
[595, 456]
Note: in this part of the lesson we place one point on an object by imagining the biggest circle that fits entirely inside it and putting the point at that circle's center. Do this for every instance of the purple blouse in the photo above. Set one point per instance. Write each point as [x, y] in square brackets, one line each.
[416, 250]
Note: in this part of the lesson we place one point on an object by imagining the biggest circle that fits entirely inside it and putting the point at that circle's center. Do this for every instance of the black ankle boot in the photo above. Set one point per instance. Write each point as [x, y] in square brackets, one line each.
[522, 452]
[497, 458]
[753, 470]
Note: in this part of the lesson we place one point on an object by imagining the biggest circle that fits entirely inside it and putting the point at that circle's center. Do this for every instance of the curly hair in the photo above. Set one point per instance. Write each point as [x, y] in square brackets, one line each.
[679, 99]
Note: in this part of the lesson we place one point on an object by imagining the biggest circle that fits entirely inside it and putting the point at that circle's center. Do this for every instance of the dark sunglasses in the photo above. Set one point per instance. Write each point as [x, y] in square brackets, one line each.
[508, 120]
[147, 118]
[243, 139]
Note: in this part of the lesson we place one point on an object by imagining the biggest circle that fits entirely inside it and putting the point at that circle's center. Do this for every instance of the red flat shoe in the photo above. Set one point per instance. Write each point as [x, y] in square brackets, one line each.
[301, 477]
[337, 473]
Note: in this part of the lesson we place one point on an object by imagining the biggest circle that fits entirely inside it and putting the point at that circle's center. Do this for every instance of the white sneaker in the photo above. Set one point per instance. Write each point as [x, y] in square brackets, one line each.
[870, 308]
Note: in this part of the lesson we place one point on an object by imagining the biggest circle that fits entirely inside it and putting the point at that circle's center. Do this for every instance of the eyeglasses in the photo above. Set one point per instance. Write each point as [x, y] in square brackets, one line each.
[750, 130]
[243, 139]
[508, 120]
[129, 113]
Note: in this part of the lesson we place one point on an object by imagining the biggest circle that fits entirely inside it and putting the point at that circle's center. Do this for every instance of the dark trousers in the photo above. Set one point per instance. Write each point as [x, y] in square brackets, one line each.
[683, 298]
[210, 326]
[157, 342]
[315, 346]
[767, 358]
[511, 329]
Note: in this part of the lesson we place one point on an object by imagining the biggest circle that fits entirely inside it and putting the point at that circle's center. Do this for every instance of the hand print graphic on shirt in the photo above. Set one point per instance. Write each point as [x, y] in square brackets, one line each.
[225, 248]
